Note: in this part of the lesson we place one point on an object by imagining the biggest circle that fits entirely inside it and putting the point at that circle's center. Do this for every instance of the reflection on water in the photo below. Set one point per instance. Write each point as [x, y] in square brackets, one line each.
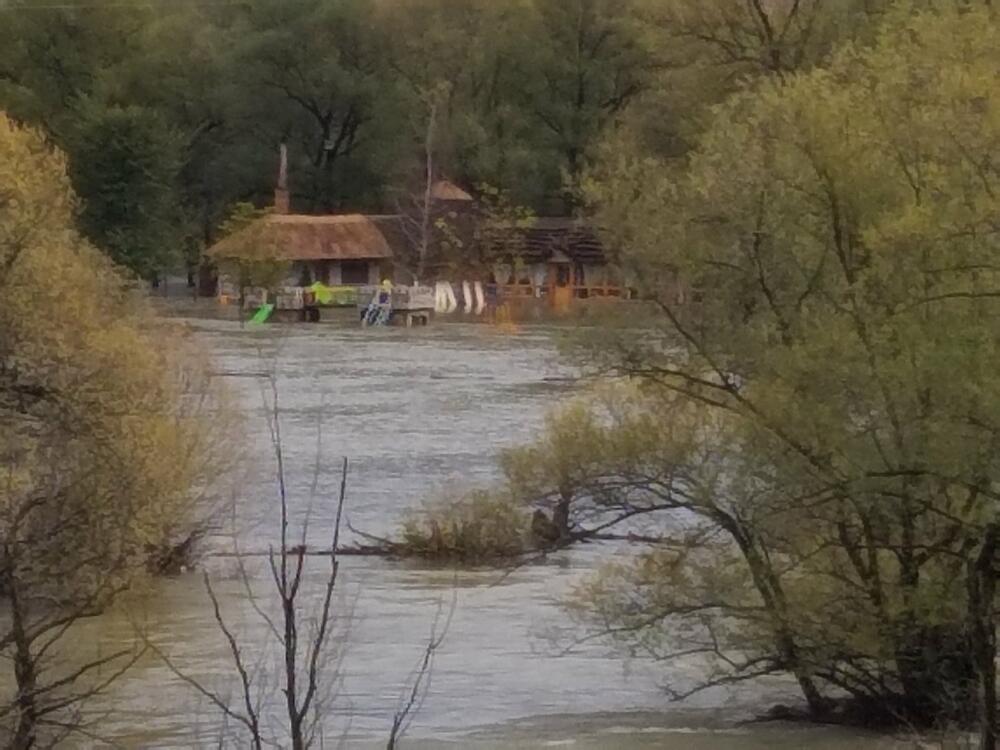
[415, 411]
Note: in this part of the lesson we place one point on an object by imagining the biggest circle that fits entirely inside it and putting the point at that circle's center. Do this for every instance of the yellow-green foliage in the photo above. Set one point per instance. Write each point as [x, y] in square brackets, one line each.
[608, 430]
[836, 233]
[106, 440]
[254, 261]
[475, 527]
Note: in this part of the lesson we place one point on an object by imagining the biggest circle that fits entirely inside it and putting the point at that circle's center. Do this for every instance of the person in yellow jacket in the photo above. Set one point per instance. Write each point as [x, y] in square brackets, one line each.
[385, 292]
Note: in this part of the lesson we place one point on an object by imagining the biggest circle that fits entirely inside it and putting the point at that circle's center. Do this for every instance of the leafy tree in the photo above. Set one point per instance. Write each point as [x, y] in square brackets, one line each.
[344, 84]
[128, 168]
[649, 468]
[251, 259]
[816, 383]
[484, 134]
[187, 71]
[706, 50]
[585, 62]
[316, 72]
[760, 37]
[52, 57]
[68, 68]
[489, 236]
[106, 443]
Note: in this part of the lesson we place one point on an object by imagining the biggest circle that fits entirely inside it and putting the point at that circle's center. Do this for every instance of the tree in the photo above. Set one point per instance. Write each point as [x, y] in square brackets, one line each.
[108, 452]
[489, 238]
[185, 69]
[252, 257]
[52, 57]
[532, 87]
[831, 379]
[128, 164]
[304, 636]
[316, 70]
[70, 69]
[766, 38]
[650, 469]
[706, 50]
[307, 661]
[467, 52]
[419, 210]
[586, 62]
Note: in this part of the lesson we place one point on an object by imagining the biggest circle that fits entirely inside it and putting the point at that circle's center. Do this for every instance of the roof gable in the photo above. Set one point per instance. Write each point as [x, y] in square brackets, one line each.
[443, 190]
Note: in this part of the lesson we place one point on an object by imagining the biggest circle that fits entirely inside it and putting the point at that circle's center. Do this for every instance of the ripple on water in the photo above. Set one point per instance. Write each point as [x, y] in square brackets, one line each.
[416, 412]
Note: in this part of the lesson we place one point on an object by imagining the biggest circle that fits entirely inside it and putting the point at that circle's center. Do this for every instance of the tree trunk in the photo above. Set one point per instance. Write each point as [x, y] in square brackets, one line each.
[560, 516]
[25, 671]
[789, 652]
[773, 596]
[814, 698]
[982, 635]
[427, 207]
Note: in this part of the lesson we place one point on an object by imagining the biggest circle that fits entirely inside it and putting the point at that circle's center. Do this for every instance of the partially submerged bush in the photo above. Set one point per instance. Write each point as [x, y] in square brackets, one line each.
[474, 527]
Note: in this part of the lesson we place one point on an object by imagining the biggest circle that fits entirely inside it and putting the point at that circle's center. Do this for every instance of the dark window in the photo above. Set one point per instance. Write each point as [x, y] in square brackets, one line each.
[354, 272]
[305, 275]
[323, 271]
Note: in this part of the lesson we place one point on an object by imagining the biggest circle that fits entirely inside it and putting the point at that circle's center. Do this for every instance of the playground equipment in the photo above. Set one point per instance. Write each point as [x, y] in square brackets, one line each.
[379, 309]
[401, 305]
[263, 313]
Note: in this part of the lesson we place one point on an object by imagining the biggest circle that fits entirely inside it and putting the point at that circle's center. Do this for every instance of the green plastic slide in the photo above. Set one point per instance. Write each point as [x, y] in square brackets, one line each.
[262, 314]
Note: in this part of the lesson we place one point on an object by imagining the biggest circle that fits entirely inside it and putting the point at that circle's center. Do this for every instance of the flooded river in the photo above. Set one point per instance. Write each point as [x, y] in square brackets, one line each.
[417, 413]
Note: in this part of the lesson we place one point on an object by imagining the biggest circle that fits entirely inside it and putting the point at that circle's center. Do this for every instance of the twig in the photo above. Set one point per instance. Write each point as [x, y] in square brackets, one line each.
[421, 678]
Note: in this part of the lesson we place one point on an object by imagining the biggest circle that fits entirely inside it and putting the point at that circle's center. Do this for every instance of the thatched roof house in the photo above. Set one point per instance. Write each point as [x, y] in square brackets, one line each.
[354, 249]
[337, 250]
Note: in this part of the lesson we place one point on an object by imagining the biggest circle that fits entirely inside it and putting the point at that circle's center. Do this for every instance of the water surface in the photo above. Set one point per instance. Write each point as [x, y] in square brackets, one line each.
[417, 413]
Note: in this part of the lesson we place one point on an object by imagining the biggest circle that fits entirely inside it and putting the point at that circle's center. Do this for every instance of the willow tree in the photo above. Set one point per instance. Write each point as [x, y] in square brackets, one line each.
[106, 443]
[823, 286]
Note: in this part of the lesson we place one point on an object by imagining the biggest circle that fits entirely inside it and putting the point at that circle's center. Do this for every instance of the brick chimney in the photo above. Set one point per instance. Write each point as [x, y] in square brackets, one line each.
[282, 203]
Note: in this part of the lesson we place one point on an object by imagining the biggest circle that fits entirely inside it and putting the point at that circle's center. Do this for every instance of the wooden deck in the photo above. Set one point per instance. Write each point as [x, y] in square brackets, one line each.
[409, 306]
[403, 297]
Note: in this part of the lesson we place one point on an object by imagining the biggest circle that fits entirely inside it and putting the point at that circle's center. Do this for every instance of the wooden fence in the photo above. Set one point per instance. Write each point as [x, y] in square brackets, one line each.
[588, 291]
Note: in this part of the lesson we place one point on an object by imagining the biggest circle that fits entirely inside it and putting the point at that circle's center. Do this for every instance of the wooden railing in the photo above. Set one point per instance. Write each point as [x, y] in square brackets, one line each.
[296, 298]
[577, 291]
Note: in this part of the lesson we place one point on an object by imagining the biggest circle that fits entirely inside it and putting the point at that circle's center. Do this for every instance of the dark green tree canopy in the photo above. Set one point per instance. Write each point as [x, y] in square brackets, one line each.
[128, 163]
[209, 91]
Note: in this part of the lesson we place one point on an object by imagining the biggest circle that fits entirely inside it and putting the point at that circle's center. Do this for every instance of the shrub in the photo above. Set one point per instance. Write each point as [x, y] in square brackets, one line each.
[108, 421]
[475, 527]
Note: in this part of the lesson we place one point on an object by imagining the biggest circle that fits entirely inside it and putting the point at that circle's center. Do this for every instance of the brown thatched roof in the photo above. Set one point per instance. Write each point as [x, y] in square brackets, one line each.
[442, 190]
[298, 237]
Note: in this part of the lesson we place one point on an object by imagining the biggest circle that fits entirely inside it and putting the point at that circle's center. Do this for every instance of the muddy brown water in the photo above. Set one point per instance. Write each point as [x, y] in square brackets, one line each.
[418, 413]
